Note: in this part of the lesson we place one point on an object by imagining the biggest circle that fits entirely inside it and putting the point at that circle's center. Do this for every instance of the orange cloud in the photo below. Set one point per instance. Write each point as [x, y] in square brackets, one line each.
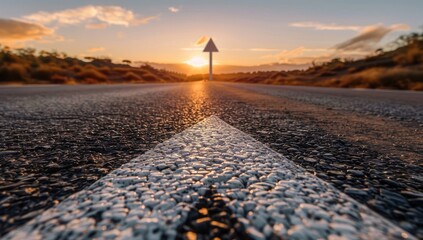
[301, 55]
[263, 49]
[111, 15]
[96, 49]
[14, 30]
[192, 49]
[201, 40]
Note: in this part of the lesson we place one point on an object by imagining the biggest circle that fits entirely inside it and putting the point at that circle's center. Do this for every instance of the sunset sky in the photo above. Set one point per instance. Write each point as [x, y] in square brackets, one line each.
[246, 32]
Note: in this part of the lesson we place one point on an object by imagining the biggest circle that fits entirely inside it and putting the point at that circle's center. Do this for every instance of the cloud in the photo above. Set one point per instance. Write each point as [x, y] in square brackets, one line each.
[192, 49]
[111, 15]
[301, 55]
[15, 30]
[96, 25]
[366, 41]
[323, 26]
[286, 54]
[141, 21]
[359, 46]
[368, 38]
[174, 9]
[201, 40]
[96, 49]
[263, 49]
[53, 38]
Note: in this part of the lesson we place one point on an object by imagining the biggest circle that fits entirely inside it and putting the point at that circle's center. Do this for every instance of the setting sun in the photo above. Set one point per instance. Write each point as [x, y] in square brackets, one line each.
[197, 62]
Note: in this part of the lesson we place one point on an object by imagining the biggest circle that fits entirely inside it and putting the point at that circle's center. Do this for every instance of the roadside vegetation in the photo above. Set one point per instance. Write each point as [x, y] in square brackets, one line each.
[401, 67]
[26, 66]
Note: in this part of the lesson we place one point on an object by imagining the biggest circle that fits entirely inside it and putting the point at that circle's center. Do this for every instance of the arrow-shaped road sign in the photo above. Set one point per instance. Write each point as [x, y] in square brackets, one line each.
[211, 47]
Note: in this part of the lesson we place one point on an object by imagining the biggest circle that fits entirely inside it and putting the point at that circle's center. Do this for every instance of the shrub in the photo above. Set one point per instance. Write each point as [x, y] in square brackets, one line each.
[90, 81]
[91, 75]
[121, 69]
[394, 78]
[416, 86]
[104, 70]
[45, 72]
[34, 64]
[89, 66]
[149, 77]
[76, 69]
[352, 70]
[130, 76]
[413, 55]
[326, 74]
[13, 73]
[60, 79]
[8, 57]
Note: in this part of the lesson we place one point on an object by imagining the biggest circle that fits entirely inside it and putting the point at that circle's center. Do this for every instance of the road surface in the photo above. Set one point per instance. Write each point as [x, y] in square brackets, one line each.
[57, 140]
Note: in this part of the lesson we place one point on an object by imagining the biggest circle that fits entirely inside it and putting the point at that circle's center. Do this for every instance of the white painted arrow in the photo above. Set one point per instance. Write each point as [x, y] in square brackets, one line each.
[151, 196]
[211, 47]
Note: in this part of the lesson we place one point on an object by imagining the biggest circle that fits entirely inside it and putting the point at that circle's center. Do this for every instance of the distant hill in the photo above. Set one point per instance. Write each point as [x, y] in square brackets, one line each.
[222, 69]
[400, 68]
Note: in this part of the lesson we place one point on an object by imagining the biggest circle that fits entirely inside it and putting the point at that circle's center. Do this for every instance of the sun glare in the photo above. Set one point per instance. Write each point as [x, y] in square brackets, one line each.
[197, 62]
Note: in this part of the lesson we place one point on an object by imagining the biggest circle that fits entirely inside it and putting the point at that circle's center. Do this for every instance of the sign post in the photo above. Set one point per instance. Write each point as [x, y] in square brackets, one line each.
[210, 47]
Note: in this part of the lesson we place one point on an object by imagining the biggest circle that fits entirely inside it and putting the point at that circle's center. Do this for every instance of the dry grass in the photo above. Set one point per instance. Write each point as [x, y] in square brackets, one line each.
[149, 77]
[76, 68]
[132, 77]
[45, 72]
[401, 68]
[413, 55]
[90, 75]
[60, 79]
[391, 78]
[26, 67]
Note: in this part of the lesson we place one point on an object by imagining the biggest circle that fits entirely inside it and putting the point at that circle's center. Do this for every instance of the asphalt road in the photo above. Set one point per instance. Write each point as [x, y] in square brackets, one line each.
[57, 140]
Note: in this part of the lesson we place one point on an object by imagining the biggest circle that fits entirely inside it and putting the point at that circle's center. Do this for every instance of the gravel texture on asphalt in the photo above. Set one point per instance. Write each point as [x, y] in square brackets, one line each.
[264, 194]
[404, 106]
[57, 140]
